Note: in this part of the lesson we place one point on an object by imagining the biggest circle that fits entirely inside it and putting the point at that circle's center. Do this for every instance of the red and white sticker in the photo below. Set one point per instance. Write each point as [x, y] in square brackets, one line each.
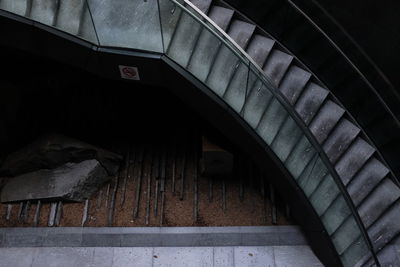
[129, 73]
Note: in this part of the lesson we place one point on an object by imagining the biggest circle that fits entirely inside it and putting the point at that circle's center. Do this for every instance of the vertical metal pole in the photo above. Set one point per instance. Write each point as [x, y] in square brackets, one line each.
[112, 202]
[149, 175]
[126, 176]
[8, 215]
[37, 214]
[52, 214]
[210, 189]
[139, 184]
[182, 193]
[196, 193]
[273, 204]
[85, 214]
[58, 216]
[223, 196]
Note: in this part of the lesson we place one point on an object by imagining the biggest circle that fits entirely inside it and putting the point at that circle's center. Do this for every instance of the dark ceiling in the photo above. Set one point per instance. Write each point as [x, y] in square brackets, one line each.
[375, 26]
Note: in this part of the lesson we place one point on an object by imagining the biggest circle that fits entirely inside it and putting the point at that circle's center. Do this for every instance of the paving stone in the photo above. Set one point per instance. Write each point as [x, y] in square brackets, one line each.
[183, 256]
[142, 257]
[103, 257]
[223, 257]
[300, 256]
[17, 257]
[254, 256]
[60, 257]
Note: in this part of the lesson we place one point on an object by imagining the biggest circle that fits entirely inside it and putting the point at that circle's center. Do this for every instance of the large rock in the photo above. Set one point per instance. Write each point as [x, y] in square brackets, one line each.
[54, 150]
[70, 182]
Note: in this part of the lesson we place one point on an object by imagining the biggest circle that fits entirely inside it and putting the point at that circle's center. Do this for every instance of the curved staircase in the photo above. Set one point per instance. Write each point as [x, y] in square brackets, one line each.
[299, 119]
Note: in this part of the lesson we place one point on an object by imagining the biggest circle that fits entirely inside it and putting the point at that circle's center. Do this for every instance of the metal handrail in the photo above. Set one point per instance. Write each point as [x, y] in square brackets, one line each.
[278, 95]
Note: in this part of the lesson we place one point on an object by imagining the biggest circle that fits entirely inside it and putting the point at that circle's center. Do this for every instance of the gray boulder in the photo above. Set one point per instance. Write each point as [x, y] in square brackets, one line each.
[69, 182]
[54, 150]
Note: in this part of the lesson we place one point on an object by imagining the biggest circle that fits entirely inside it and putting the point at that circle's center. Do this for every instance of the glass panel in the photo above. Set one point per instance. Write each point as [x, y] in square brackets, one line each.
[324, 194]
[18, 7]
[345, 235]
[184, 38]
[169, 15]
[259, 98]
[203, 56]
[356, 254]
[313, 174]
[271, 121]
[288, 136]
[236, 93]
[127, 23]
[336, 214]
[300, 157]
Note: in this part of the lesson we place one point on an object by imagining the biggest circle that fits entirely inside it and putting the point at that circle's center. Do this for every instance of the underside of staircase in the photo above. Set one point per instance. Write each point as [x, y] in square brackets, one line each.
[366, 179]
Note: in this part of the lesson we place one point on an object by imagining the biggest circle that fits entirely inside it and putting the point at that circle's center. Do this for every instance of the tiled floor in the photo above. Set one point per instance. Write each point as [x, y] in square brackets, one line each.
[275, 256]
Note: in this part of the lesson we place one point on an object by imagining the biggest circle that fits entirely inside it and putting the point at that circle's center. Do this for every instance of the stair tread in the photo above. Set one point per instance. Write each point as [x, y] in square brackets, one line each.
[364, 182]
[17, 7]
[241, 32]
[221, 16]
[354, 159]
[386, 228]
[310, 101]
[203, 5]
[340, 139]
[259, 49]
[293, 83]
[390, 254]
[377, 201]
[335, 215]
[276, 65]
[44, 11]
[326, 119]
[70, 14]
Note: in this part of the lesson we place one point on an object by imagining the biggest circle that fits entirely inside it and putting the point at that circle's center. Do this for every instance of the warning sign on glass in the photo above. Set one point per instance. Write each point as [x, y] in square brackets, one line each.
[129, 73]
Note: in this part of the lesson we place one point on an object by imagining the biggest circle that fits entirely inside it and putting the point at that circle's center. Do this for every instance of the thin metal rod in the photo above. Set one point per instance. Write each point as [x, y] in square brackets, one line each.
[273, 204]
[52, 214]
[126, 176]
[25, 213]
[36, 218]
[210, 189]
[85, 214]
[139, 184]
[20, 211]
[196, 190]
[59, 212]
[149, 176]
[9, 209]
[156, 197]
[108, 194]
[173, 167]
[182, 193]
[162, 184]
[99, 199]
[223, 196]
[111, 209]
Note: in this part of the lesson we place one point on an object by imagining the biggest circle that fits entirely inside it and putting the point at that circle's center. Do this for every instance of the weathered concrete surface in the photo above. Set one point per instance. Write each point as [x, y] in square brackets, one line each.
[51, 151]
[72, 181]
